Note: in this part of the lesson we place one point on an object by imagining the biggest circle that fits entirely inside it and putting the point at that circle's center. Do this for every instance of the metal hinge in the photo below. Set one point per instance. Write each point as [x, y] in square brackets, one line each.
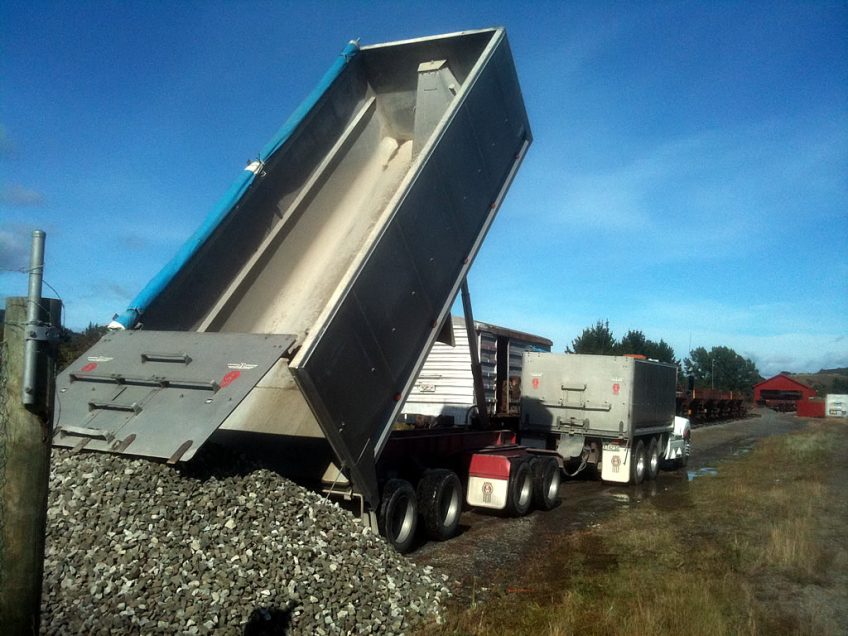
[42, 333]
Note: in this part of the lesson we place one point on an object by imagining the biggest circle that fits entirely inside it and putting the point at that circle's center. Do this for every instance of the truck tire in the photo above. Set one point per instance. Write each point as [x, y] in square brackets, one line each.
[398, 514]
[546, 480]
[638, 463]
[519, 489]
[440, 503]
[653, 462]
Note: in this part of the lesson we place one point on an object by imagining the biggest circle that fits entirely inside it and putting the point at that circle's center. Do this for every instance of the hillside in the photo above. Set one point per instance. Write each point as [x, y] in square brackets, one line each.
[826, 380]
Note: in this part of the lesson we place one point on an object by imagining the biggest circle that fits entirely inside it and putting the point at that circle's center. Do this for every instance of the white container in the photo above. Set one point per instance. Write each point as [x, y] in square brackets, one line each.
[836, 405]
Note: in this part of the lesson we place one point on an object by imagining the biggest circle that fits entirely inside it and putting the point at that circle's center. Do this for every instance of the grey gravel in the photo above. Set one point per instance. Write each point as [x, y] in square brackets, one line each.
[135, 546]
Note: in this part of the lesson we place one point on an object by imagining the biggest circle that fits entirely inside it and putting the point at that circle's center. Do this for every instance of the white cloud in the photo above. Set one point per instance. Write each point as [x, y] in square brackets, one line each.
[716, 189]
[15, 195]
[14, 249]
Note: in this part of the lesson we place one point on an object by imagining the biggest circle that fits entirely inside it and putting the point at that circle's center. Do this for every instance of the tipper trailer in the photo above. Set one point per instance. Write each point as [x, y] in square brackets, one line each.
[303, 307]
[616, 413]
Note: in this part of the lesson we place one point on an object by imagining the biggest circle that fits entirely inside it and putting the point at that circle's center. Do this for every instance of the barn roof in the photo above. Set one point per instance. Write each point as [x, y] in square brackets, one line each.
[786, 378]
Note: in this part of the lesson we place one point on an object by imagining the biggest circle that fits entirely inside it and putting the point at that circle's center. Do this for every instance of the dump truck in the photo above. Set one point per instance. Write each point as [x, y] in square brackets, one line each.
[615, 413]
[302, 309]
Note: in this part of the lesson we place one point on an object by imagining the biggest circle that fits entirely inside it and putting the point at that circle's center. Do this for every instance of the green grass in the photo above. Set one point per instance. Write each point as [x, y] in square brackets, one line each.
[739, 555]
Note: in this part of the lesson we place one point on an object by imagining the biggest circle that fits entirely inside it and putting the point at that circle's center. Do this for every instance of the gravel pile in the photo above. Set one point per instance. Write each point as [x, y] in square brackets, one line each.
[139, 547]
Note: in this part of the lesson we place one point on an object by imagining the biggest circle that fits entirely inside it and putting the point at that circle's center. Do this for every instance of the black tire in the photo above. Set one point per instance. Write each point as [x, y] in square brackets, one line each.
[653, 460]
[440, 503]
[638, 463]
[398, 514]
[519, 489]
[546, 481]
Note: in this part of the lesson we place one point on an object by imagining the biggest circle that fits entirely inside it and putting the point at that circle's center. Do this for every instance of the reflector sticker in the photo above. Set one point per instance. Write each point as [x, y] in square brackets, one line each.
[91, 366]
[228, 379]
[616, 388]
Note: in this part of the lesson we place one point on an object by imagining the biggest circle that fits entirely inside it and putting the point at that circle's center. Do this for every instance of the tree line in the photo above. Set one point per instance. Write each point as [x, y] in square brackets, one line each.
[719, 368]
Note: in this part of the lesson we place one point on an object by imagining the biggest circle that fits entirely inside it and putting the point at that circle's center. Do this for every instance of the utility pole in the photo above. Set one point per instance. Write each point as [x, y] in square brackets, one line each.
[712, 372]
[27, 374]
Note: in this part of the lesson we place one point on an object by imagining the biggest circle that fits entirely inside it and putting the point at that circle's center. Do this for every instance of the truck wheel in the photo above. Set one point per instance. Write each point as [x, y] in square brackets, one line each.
[440, 503]
[638, 463]
[653, 467]
[398, 514]
[546, 480]
[519, 489]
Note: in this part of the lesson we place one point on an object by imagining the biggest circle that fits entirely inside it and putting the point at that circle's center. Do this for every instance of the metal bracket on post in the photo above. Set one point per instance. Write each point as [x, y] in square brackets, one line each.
[36, 270]
[476, 369]
[43, 333]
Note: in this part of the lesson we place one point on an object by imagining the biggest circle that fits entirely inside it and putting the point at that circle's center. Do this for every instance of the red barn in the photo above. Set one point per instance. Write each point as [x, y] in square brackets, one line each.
[782, 393]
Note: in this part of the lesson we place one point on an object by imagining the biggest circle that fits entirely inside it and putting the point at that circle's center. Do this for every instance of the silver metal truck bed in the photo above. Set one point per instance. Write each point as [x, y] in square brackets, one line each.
[592, 395]
[350, 235]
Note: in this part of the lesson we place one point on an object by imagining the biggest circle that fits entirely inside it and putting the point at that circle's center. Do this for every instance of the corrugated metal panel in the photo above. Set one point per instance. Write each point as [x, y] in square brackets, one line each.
[445, 385]
[489, 364]
[515, 352]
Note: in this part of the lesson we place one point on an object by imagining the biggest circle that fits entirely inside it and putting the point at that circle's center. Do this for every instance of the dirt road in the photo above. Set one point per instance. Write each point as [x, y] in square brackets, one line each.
[489, 552]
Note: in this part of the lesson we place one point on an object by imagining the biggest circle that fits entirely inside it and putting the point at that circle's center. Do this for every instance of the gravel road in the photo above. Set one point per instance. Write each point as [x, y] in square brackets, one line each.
[489, 552]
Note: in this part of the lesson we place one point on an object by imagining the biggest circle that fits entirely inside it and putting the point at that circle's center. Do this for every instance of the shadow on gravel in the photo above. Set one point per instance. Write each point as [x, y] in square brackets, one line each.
[237, 455]
[268, 621]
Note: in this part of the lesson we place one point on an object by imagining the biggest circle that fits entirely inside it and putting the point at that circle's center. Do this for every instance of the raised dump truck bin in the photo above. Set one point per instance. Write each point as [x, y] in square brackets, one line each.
[305, 304]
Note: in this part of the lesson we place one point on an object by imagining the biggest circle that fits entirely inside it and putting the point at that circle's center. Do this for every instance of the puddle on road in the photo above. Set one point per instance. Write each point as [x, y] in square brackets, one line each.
[706, 471]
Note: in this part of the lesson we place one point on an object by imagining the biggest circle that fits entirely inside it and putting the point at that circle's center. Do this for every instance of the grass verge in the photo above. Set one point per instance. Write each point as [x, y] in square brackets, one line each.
[759, 548]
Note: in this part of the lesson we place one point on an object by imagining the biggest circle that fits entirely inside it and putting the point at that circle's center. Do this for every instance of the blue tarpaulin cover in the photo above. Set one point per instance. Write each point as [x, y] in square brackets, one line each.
[139, 304]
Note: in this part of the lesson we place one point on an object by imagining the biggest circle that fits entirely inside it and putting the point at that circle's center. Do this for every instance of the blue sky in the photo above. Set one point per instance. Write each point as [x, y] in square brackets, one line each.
[688, 178]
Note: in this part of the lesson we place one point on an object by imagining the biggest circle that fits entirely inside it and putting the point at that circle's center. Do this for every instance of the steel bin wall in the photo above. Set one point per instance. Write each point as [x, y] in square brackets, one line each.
[596, 394]
[358, 372]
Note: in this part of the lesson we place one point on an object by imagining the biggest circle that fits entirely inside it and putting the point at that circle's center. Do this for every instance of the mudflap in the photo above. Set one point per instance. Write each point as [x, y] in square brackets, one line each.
[615, 463]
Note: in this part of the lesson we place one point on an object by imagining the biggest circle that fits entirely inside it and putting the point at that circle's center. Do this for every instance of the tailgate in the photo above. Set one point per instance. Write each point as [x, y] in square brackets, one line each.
[159, 393]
